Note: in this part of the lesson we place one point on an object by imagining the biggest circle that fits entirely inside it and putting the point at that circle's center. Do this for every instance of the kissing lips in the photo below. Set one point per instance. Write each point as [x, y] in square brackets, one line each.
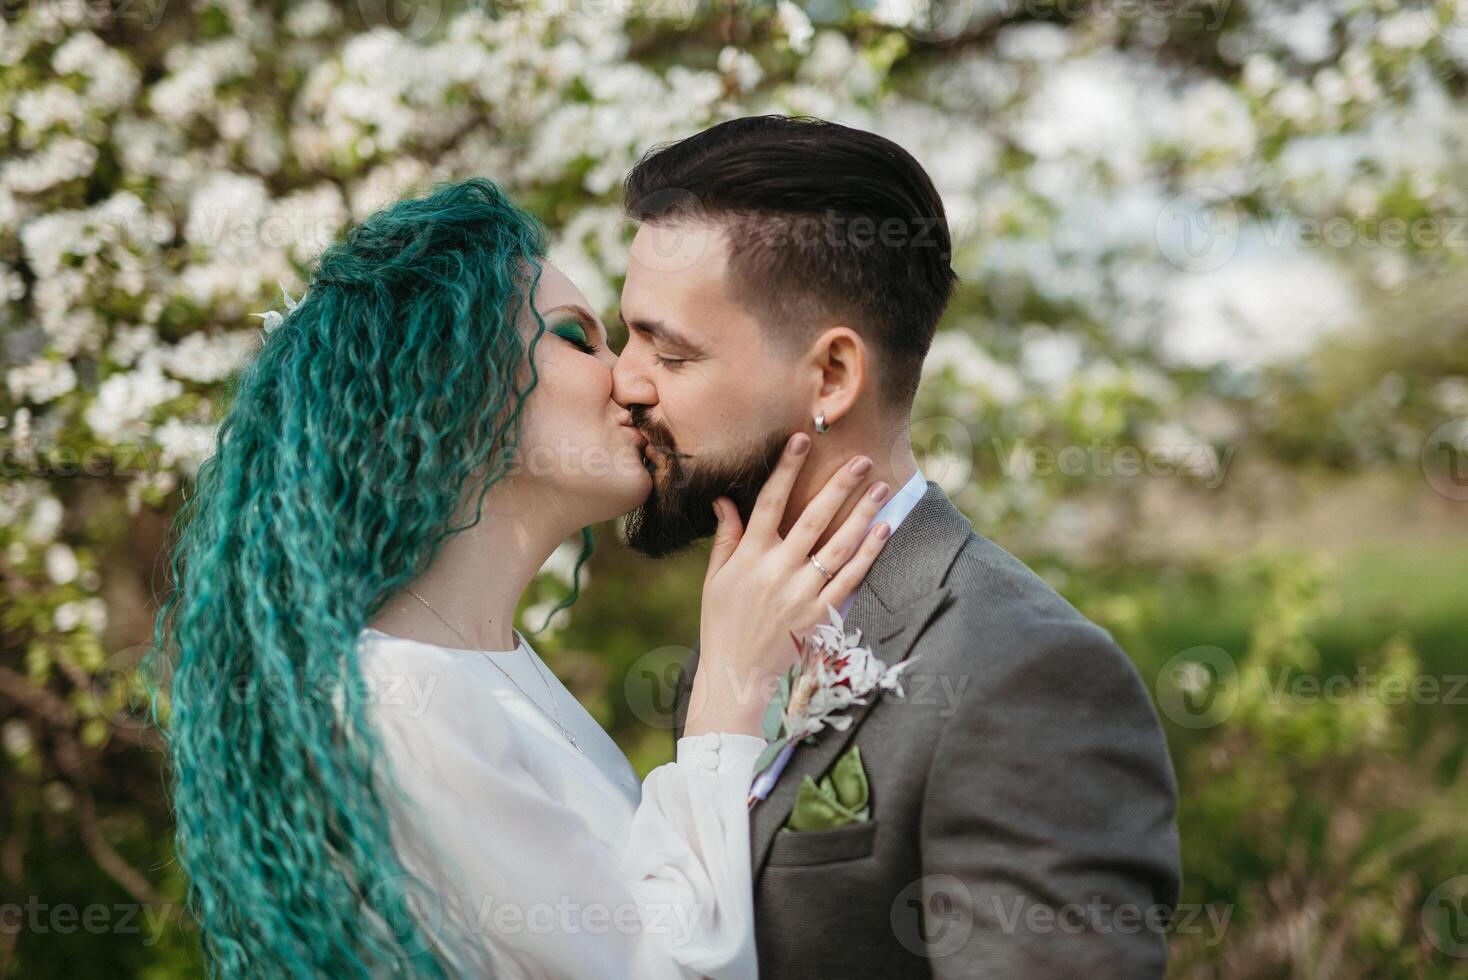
[650, 456]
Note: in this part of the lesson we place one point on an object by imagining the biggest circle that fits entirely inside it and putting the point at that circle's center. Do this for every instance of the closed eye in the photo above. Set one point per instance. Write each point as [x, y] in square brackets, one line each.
[658, 332]
[574, 333]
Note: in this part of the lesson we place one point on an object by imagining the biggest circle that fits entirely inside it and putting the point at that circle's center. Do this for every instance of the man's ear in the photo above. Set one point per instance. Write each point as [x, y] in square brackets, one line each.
[839, 354]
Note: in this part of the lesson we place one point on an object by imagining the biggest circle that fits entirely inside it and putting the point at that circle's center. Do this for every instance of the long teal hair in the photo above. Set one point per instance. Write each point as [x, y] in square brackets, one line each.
[387, 398]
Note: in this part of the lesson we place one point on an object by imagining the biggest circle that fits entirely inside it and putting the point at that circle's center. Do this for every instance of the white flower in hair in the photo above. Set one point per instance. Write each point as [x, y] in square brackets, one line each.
[274, 318]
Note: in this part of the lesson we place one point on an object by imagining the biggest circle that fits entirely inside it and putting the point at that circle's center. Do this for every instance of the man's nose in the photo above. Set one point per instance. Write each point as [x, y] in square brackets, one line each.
[630, 384]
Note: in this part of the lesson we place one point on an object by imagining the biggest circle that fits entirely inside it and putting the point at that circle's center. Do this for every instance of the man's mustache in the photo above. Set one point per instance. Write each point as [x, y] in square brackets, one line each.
[659, 439]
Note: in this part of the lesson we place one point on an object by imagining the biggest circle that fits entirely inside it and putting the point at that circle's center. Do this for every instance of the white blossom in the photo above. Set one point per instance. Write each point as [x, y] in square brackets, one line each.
[1265, 306]
[12, 286]
[196, 72]
[15, 735]
[63, 159]
[561, 564]
[1048, 357]
[1451, 395]
[126, 401]
[227, 212]
[184, 445]
[207, 358]
[898, 13]
[310, 19]
[45, 520]
[741, 66]
[41, 380]
[61, 564]
[385, 184]
[40, 109]
[91, 613]
[1036, 41]
[129, 342]
[112, 79]
[833, 63]
[972, 368]
[1408, 29]
[306, 222]
[1212, 117]
[796, 25]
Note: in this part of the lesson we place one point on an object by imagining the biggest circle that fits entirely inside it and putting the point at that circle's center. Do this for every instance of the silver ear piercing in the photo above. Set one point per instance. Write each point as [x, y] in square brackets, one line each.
[821, 424]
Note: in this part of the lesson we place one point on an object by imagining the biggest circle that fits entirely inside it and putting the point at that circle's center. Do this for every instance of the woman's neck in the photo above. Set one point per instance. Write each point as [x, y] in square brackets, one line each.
[478, 575]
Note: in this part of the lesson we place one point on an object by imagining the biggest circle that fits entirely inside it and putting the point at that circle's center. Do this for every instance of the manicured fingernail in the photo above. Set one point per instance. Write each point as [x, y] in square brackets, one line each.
[882, 530]
[861, 465]
[878, 492]
[799, 443]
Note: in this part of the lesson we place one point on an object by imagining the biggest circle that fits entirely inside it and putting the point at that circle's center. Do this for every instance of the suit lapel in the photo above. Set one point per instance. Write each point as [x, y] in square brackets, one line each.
[901, 594]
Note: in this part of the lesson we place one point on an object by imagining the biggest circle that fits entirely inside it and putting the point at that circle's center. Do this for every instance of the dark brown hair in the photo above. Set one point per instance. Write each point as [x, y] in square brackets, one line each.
[823, 220]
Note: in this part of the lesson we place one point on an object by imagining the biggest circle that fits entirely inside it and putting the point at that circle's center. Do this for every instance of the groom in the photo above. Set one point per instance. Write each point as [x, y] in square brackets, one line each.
[788, 275]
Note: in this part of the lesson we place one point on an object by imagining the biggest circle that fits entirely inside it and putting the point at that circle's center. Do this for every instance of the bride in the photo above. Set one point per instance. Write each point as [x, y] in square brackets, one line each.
[373, 771]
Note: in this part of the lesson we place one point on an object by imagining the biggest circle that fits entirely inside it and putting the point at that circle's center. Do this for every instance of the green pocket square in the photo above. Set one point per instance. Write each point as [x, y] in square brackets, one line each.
[839, 799]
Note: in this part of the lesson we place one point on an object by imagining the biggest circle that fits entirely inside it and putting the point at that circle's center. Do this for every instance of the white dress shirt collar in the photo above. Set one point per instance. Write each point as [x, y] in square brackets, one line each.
[897, 507]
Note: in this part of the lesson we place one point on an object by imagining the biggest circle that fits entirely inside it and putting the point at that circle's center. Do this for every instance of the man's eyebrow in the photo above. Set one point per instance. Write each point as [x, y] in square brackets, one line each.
[660, 331]
[581, 313]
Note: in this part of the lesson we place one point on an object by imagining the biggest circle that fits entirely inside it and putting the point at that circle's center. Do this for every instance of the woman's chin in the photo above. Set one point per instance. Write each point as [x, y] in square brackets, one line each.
[640, 487]
[626, 488]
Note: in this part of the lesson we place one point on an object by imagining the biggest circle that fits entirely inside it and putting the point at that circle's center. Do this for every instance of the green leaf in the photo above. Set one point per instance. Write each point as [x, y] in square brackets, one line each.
[768, 755]
[774, 718]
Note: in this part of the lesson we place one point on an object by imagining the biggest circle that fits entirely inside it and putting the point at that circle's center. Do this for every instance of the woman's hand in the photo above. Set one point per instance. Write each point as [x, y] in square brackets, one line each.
[760, 587]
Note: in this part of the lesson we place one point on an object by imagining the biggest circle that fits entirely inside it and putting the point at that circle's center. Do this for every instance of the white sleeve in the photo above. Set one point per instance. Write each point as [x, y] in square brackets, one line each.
[545, 893]
[689, 848]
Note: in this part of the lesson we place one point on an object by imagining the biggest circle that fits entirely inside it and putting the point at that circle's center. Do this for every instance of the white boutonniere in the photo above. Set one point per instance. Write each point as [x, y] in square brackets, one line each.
[833, 673]
[274, 318]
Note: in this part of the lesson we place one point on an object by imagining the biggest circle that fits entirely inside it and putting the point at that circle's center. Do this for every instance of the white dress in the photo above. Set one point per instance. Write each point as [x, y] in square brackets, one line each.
[530, 858]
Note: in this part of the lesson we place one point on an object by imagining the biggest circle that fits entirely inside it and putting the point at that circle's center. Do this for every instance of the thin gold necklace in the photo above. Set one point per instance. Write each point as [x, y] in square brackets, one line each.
[570, 737]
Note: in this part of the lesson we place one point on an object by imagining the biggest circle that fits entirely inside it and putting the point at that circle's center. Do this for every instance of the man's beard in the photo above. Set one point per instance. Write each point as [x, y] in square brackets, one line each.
[680, 509]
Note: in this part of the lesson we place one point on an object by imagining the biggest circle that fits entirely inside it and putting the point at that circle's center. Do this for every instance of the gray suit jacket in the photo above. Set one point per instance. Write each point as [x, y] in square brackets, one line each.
[1022, 797]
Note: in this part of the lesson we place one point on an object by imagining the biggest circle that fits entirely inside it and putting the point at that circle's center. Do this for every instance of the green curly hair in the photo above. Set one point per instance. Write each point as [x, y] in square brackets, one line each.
[387, 397]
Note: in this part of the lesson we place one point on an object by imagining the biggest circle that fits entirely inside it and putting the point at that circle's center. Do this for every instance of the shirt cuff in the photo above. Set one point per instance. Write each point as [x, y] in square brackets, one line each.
[720, 752]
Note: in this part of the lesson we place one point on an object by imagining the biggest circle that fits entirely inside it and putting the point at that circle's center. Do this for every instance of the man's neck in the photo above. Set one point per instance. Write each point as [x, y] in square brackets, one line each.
[892, 463]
